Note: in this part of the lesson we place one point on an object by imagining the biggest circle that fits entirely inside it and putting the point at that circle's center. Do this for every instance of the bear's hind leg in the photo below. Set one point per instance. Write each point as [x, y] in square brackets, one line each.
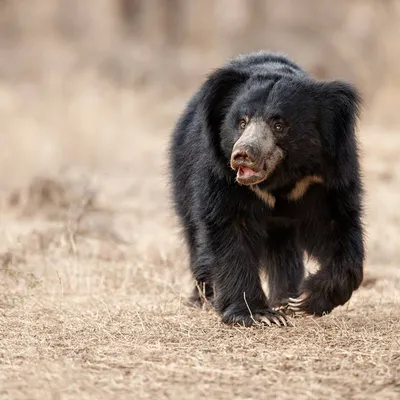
[201, 266]
[203, 293]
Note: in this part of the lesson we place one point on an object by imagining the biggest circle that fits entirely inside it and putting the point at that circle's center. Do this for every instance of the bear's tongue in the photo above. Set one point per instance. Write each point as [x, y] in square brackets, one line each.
[245, 172]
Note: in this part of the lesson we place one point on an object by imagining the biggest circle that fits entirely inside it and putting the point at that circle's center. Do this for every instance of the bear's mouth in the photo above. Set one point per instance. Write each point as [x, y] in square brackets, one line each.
[248, 176]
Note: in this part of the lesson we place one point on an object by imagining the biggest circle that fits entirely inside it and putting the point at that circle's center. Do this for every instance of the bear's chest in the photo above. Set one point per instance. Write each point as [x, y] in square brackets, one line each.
[287, 204]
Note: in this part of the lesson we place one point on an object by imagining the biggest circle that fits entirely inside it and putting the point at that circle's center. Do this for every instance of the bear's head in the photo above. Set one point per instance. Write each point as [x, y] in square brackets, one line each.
[269, 127]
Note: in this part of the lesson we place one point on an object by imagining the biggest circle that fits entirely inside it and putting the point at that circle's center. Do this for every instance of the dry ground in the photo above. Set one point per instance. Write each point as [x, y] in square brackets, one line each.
[93, 272]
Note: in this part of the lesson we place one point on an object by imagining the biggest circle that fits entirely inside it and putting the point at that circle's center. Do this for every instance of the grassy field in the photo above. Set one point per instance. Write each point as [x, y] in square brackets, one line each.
[94, 272]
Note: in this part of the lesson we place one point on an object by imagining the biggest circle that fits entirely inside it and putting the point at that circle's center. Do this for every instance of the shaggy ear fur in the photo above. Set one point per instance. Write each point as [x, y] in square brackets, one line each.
[217, 95]
[340, 109]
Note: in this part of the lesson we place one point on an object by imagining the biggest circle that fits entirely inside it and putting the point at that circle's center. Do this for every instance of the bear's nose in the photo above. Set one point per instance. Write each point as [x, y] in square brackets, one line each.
[242, 157]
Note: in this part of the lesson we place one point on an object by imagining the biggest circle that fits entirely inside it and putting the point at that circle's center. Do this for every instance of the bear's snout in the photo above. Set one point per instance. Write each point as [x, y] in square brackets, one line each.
[242, 157]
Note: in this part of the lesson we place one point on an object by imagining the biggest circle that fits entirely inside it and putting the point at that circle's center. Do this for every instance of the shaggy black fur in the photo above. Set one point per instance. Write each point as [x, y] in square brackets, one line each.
[233, 230]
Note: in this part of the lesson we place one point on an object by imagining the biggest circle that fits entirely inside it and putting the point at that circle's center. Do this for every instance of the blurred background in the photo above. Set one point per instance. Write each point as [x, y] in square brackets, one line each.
[137, 42]
[97, 85]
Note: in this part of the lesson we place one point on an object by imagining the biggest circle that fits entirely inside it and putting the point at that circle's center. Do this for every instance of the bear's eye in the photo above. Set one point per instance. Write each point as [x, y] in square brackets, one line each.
[243, 123]
[279, 127]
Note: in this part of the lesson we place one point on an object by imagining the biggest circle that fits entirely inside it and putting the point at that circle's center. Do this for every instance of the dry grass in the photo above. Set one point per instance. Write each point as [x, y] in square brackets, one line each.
[93, 273]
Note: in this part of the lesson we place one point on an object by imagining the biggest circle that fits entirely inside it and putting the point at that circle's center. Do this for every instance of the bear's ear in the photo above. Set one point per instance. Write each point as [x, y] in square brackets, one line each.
[216, 96]
[218, 93]
[341, 104]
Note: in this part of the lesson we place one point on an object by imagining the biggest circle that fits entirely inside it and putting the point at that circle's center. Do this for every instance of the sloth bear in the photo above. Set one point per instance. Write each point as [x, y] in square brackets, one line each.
[264, 170]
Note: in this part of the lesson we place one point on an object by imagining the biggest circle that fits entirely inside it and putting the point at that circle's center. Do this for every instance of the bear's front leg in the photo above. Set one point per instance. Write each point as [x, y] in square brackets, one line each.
[239, 296]
[338, 247]
[284, 266]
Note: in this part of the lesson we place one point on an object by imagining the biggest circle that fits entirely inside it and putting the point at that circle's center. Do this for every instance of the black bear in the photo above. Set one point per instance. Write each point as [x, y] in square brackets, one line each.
[265, 169]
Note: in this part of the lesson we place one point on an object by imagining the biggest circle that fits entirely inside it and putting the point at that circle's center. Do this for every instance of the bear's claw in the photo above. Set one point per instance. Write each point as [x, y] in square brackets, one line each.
[295, 306]
[277, 319]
